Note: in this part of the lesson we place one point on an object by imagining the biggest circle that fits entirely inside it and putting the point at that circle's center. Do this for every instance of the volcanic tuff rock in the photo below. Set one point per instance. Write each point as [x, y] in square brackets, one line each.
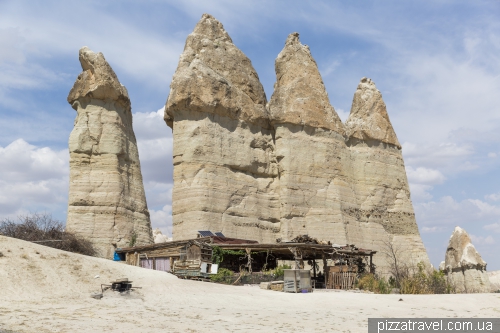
[215, 77]
[107, 203]
[300, 96]
[224, 165]
[464, 267]
[378, 178]
[310, 148]
[368, 119]
[292, 170]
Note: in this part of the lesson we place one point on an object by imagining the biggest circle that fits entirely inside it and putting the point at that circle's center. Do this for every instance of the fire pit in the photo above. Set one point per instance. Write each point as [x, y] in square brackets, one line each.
[120, 285]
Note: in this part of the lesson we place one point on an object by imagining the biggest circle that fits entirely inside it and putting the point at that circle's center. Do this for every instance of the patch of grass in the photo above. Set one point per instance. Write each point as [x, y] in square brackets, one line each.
[24, 256]
[133, 238]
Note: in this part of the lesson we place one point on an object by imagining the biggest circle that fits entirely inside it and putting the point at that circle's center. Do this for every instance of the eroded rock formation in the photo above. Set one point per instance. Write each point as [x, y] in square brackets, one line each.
[383, 208]
[310, 148]
[107, 203]
[287, 169]
[225, 169]
[159, 237]
[463, 265]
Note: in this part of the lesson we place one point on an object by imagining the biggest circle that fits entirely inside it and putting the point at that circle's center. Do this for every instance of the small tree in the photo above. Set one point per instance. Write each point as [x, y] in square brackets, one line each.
[398, 260]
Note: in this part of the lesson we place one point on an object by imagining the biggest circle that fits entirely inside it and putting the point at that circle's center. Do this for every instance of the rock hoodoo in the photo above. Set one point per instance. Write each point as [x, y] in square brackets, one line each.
[383, 208]
[463, 265]
[310, 147]
[225, 169]
[107, 203]
[288, 169]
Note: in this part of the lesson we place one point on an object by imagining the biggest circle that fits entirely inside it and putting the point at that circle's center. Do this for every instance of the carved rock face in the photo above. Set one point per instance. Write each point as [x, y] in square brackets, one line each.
[465, 269]
[293, 170]
[107, 203]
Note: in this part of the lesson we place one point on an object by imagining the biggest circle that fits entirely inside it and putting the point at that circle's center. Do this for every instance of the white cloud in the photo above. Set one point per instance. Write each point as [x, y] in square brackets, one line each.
[424, 176]
[492, 155]
[488, 240]
[449, 212]
[330, 68]
[432, 229]
[162, 219]
[20, 161]
[149, 56]
[420, 193]
[32, 178]
[441, 155]
[342, 114]
[154, 140]
[155, 144]
[493, 197]
[493, 227]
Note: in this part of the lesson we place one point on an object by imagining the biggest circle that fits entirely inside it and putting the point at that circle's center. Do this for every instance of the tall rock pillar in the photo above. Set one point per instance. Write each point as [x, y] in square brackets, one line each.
[225, 170]
[107, 203]
[384, 212]
[310, 149]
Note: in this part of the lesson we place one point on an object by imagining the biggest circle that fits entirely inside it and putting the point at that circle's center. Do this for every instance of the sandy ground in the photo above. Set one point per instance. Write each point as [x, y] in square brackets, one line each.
[47, 290]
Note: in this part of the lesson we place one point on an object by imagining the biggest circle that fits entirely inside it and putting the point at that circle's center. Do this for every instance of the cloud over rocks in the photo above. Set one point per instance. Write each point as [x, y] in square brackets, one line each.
[154, 140]
[33, 178]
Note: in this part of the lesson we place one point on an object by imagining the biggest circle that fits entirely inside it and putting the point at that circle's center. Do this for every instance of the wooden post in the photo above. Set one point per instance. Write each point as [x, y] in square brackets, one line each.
[325, 271]
[249, 263]
[295, 279]
[371, 264]
[314, 268]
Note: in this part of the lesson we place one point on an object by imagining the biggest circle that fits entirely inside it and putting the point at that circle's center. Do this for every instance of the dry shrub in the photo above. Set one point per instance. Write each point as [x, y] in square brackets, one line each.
[44, 230]
[373, 283]
[425, 281]
[413, 278]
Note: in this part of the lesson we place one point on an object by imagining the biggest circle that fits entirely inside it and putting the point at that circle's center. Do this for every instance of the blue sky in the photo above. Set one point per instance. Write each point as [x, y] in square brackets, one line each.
[436, 63]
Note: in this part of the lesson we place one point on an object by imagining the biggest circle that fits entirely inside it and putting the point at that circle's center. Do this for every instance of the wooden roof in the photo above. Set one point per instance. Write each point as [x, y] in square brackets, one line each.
[210, 240]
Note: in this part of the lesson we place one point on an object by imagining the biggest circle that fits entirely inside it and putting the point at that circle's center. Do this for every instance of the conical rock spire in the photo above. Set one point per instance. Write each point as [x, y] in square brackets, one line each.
[368, 118]
[299, 94]
[463, 265]
[214, 76]
[461, 253]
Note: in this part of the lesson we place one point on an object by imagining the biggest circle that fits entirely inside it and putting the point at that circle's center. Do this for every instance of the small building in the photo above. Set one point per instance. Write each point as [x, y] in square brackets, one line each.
[185, 258]
[193, 258]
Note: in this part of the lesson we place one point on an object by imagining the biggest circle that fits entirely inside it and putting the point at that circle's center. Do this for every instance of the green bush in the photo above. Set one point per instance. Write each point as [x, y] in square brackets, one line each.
[219, 253]
[222, 276]
[280, 270]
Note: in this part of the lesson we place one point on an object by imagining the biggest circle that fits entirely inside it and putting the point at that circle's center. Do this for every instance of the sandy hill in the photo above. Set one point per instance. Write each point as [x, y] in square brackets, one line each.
[48, 290]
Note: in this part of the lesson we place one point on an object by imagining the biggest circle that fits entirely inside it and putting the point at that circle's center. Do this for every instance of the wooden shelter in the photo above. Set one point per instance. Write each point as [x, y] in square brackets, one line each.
[185, 258]
[193, 258]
